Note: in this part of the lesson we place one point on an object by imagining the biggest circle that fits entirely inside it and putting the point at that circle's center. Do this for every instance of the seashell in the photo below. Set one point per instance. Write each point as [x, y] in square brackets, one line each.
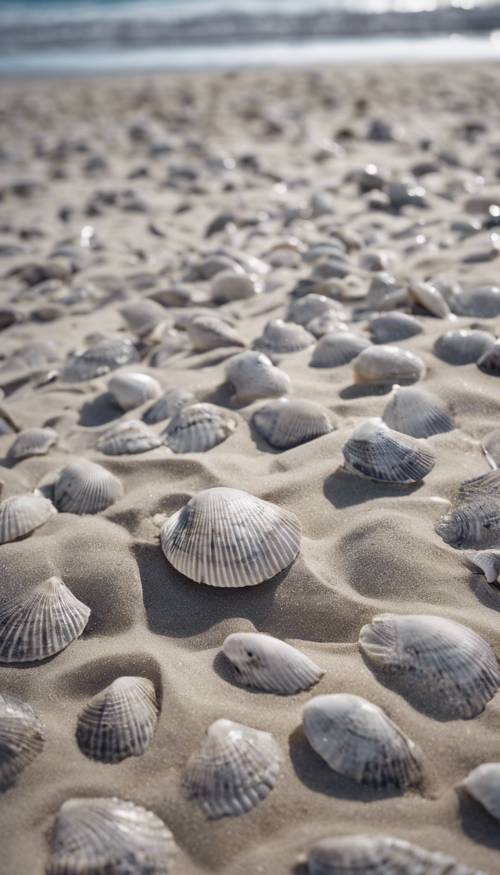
[489, 362]
[105, 356]
[168, 405]
[38, 354]
[229, 285]
[280, 338]
[483, 784]
[304, 309]
[489, 563]
[120, 721]
[385, 293]
[42, 623]
[474, 526]
[128, 438]
[327, 323]
[378, 453]
[269, 664]
[22, 738]
[485, 486]
[210, 332]
[234, 771]
[387, 364]
[32, 442]
[97, 836]
[132, 390]
[391, 326]
[334, 350]
[490, 446]
[85, 487]
[442, 660]
[197, 428]
[482, 302]
[429, 298]
[463, 347]
[287, 423]
[413, 411]
[253, 375]
[229, 538]
[22, 514]
[358, 740]
[142, 317]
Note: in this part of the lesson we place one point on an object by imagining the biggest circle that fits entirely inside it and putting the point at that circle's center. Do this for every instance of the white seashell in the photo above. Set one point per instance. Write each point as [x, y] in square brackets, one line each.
[474, 526]
[210, 332]
[100, 359]
[253, 375]
[387, 364]
[142, 317]
[463, 347]
[280, 338]
[303, 310]
[229, 285]
[490, 446]
[269, 664]
[234, 771]
[229, 538]
[489, 362]
[85, 487]
[32, 442]
[42, 623]
[288, 423]
[413, 411]
[328, 323]
[489, 563]
[22, 514]
[446, 663]
[334, 350]
[128, 438]
[482, 302]
[378, 453]
[358, 740]
[107, 836]
[429, 298]
[133, 389]
[391, 326]
[199, 427]
[168, 405]
[22, 738]
[483, 783]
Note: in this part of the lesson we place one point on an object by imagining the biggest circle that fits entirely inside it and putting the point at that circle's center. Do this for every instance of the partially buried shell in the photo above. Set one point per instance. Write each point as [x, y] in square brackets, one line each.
[489, 563]
[234, 770]
[428, 298]
[483, 302]
[358, 740]
[85, 487]
[474, 526]
[463, 347]
[128, 438]
[269, 664]
[378, 453]
[310, 306]
[210, 332]
[235, 285]
[280, 338]
[120, 721]
[327, 323]
[451, 667]
[334, 350]
[391, 326]
[489, 362]
[22, 514]
[199, 427]
[485, 486]
[32, 442]
[253, 375]
[133, 389]
[168, 405]
[387, 364]
[483, 783]
[417, 413]
[286, 423]
[100, 359]
[22, 738]
[42, 623]
[143, 316]
[104, 835]
[229, 538]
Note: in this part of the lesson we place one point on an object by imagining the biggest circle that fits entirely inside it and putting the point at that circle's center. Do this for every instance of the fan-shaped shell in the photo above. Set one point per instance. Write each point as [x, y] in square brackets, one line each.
[85, 487]
[128, 438]
[100, 359]
[230, 285]
[417, 413]
[489, 362]
[42, 623]
[327, 323]
[463, 347]
[22, 738]
[210, 332]
[269, 664]
[483, 783]
[485, 486]
[358, 740]
[32, 442]
[378, 453]
[451, 666]
[334, 350]
[253, 375]
[22, 514]
[199, 427]
[143, 316]
[229, 538]
[133, 389]
[482, 302]
[280, 338]
[474, 526]
[387, 364]
[168, 405]
[101, 836]
[234, 770]
[489, 563]
[391, 326]
[303, 310]
[429, 298]
[286, 423]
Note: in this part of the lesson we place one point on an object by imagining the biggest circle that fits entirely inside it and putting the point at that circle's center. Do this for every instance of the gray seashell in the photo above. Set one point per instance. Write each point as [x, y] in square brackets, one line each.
[22, 738]
[387, 364]
[327, 323]
[143, 316]
[486, 486]
[229, 538]
[378, 453]
[358, 740]
[100, 359]
[22, 514]
[489, 363]
[41, 624]
[482, 302]
[105, 836]
[463, 347]
[197, 428]
[128, 438]
[210, 332]
[489, 563]
[490, 446]
[474, 526]
[307, 308]
[168, 405]
[391, 326]
[417, 413]
[385, 293]
[38, 354]
[429, 298]
[85, 487]
[483, 784]
[446, 663]
[234, 771]
[32, 442]
[269, 664]
[133, 389]
[288, 423]
[253, 375]
[280, 338]
[334, 350]
[229, 285]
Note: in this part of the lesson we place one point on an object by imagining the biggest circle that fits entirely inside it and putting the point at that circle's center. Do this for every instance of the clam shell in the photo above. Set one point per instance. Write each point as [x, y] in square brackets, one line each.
[358, 740]
[387, 364]
[288, 423]
[483, 783]
[229, 285]
[128, 438]
[229, 538]
[269, 664]
[463, 347]
[334, 350]
[168, 405]
[143, 316]
[32, 442]
[104, 835]
[417, 413]
[391, 326]
[385, 293]
[22, 738]
[199, 427]
[100, 359]
[253, 375]
[42, 623]
[474, 526]
[482, 302]
[327, 323]
[378, 453]
[280, 338]
[429, 298]
[489, 563]
[22, 514]
[210, 332]
[489, 362]
[448, 664]
[85, 487]
[133, 389]
[234, 771]
[303, 310]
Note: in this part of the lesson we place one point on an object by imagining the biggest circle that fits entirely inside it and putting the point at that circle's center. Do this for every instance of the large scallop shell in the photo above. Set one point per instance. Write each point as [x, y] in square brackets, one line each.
[234, 770]
[199, 427]
[446, 663]
[334, 350]
[128, 438]
[233, 285]
[429, 298]
[168, 405]
[483, 302]
[253, 375]
[85, 487]
[387, 364]
[42, 623]
[133, 389]
[100, 359]
[229, 538]
[280, 338]
[358, 740]
[269, 664]
[489, 362]
[22, 738]
[32, 442]
[22, 514]
[107, 836]
[286, 423]
[417, 413]
[489, 563]
[210, 332]
[378, 453]
[483, 783]
[463, 347]
[391, 326]
[474, 526]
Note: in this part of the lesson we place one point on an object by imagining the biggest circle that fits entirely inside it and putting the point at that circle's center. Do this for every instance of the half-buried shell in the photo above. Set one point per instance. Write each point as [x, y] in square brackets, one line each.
[378, 453]
[235, 285]
[85, 487]
[489, 563]
[22, 738]
[100, 359]
[253, 375]
[428, 298]
[334, 350]
[210, 332]
[489, 363]
[280, 338]
[463, 347]
[168, 405]
[266, 663]
[387, 364]
[133, 389]
[22, 514]
[417, 413]
[199, 427]
[32, 442]
[474, 526]
[391, 326]
[286, 423]
[483, 783]
[128, 438]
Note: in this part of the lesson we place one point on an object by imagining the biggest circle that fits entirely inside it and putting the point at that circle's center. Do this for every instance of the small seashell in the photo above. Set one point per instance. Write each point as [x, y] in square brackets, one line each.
[143, 316]
[445, 662]
[489, 362]
[197, 428]
[168, 405]
[103, 835]
[22, 738]
[334, 350]
[463, 347]
[38, 354]
[307, 308]
[32, 442]
[391, 326]
[490, 446]
[85, 487]
[474, 526]
[234, 771]
[128, 438]
[485, 486]
[210, 332]
[229, 538]
[385, 293]
[280, 338]
[328, 323]
[483, 784]
[229, 285]
[42, 623]
[22, 514]
[131, 390]
[489, 563]
[253, 375]
[358, 740]
[269, 664]
[413, 411]
[105, 356]
[429, 298]
[482, 302]
[288, 423]
[378, 453]
[387, 364]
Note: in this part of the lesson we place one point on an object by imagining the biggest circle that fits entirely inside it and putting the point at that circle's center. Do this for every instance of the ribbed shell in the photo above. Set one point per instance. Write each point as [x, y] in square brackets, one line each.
[391, 326]
[429, 298]
[269, 664]
[327, 323]
[85, 487]
[109, 837]
[463, 347]
[132, 390]
[358, 740]
[253, 375]
[42, 623]
[489, 362]
[483, 783]
[168, 405]
[280, 338]
[22, 738]
[474, 526]
[210, 332]
[143, 316]
[307, 308]
[451, 665]
[334, 350]
[287, 423]
[234, 770]
[482, 302]
[22, 514]
[378, 453]
[489, 563]
[417, 413]
[229, 538]
[387, 364]
[228, 285]
[199, 427]
[485, 486]
[105, 356]
[128, 438]
[120, 721]
[32, 442]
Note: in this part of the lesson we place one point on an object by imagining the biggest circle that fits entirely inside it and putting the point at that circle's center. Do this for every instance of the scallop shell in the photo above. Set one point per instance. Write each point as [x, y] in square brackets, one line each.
[22, 738]
[280, 338]
[42, 623]
[168, 405]
[104, 835]
[22, 514]
[489, 362]
[429, 298]
[229, 538]
[143, 316]
[483, 783]
[485, 486]
[210, 332]
[199, 427]
[32, 442]
[358, 740]
[482, 302]
[120, 721]
[474, 526]
[100, 359]
[269, 664]
[445, 662]
[489, 563]
[378, 453]
[133, 389]
[334, 350]
[387, 364]
[303, 310]
[413, 411]
[463, 347]
[229, 285]
[128, 438]
[85, 487]
[288, 423]
[234, 771]
[391, 326]
[253, 375]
